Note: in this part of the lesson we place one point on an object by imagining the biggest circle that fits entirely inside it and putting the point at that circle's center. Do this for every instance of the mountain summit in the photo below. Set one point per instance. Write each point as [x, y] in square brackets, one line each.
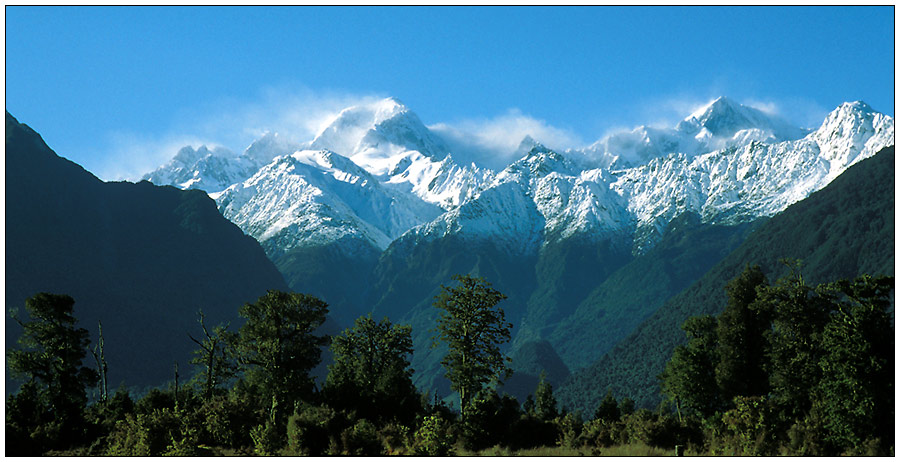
[375, 201]
[378, 135]
[724, 118]
[725, 161]
[720, 124]
[414, 168]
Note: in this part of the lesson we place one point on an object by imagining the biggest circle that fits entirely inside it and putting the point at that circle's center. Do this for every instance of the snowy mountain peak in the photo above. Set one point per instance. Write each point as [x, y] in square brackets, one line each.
[202, 168]
[380, 135]
[358, 127]
[857, 106]
[376, 172]
[188, 155]
[724, 118]
[850, 111]
[719, 106]
[213, 170]
[720, 124]
[527, 144]
[852, 115]
[852, 132]
[538, 161]
[388, 108]
[367, 115]
[329, 162]
[268, 147]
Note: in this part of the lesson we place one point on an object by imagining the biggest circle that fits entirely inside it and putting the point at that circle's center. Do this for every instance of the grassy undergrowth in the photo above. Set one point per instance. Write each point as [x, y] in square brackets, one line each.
[612, 451]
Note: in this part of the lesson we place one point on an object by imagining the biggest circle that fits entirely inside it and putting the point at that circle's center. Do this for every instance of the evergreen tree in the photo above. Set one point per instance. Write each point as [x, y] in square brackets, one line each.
[473, 328]
[52, 400]
[798, 318]
[278, 348]
[545, 406]
[689, 379]
[829, 364]
[371, 373]
[490, 421]
[626, 406]
[608, 410]
[855, 397]
[741, 338]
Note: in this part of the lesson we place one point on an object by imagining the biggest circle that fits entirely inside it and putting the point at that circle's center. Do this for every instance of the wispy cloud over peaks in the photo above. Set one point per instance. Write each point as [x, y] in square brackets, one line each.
[296, 113]
[129, 155]
[668, 111]
[492, 142]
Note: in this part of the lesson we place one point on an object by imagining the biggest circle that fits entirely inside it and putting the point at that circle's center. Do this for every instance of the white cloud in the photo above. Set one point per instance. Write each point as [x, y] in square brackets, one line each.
[297, 114]
[802, 112]
[128, 156]
[768, 106]
[667, 112]
[492, 142]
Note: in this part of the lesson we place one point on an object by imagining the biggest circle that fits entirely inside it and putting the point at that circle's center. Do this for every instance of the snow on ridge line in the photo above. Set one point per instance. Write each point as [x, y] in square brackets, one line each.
[729, 185]
[566, 198]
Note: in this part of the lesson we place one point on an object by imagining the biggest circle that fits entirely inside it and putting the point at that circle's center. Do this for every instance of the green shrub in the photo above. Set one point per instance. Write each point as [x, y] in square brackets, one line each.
[603, 433]
[660, 431]
[267, 440]
[186, 446]
[806, 437]
[361, 440]
[27, 430]
[748, 427]
[568, 429]
[433, 438]
[101, 419]
[154, 399]
[489, 421]
[227, 421]
[160, 432]
[312, 430]
[395, 439]
[529, 432]
[639, 427]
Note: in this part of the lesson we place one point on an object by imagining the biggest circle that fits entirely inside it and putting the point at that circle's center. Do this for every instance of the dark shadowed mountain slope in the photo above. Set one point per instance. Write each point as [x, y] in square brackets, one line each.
[842, 231]
[616, 306]
[142, 259]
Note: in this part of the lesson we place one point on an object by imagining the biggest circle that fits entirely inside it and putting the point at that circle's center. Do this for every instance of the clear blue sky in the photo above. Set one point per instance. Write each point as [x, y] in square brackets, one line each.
[111, 87]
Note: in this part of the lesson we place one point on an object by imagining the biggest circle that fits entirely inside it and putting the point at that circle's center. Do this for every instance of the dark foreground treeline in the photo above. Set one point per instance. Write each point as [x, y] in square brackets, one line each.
[785, 369]
[790, 369]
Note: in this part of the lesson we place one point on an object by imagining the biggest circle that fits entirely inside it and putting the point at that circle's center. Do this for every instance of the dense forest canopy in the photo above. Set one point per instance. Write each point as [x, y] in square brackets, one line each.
[786, 368]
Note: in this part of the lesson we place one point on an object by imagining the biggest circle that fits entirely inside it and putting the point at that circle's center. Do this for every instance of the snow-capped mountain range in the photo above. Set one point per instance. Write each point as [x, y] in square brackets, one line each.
[376, 174]
[721, 124]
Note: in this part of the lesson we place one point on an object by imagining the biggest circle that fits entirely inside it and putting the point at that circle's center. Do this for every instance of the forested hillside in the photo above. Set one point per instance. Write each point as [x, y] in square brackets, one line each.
[842, 231]
[141, 259]
[635, 291]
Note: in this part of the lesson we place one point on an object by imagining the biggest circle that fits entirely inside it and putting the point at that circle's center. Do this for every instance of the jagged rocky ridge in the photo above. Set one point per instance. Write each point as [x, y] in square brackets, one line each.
[374, 214]
[387, 175]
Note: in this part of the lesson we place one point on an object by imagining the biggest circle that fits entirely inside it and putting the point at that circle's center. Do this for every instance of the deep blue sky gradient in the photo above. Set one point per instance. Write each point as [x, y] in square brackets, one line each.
[78, 75]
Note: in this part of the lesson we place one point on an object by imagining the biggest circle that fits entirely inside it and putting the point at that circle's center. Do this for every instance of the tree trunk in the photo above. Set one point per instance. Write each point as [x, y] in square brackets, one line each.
[176, 383]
